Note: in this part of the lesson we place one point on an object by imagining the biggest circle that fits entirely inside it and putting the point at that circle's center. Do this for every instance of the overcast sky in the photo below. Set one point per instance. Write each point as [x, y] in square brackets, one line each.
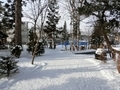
[64, 17]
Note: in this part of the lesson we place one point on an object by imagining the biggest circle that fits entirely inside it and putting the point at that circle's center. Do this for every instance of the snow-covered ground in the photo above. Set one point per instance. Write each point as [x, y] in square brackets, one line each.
[62, 70]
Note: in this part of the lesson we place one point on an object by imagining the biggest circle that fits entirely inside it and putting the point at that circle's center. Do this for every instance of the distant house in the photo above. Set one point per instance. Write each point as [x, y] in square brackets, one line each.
[85, 37]
[24, 28]
[24, 33]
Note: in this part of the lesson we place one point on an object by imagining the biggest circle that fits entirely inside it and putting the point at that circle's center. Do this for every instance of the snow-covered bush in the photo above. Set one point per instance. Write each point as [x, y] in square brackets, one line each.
[99, 51]
[8, 66]
[16, 51]
[101, 54]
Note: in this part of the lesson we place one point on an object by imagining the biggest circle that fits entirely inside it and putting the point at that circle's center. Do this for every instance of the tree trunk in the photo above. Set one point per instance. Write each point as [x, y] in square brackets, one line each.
[51, 41]
[78, 31]
[18, 38]
[36, 45]
[34, 37]
[108, 42]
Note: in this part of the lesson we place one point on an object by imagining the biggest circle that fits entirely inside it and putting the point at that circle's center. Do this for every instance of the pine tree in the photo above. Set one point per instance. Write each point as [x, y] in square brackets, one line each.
[65, 33]
[31, 45]
[97, 38]
[12, 18]
[8, 19]
[16, 51]
[8, 65]
[32, 41]
[107, 13]
[53, 18]
[40, 48]
[1, 13]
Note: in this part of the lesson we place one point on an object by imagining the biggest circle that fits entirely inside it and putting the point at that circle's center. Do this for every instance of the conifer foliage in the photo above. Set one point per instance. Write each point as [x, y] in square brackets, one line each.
[53, 18]
[16, 51]
[65, 36]
[8, 19]
[97, 38]
[32, 40]
[40, 48]
[8, 65]
[32, 43]
[1, 14]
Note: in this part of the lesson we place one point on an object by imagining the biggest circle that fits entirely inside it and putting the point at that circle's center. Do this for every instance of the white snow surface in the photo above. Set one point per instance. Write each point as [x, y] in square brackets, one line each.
[62, 70]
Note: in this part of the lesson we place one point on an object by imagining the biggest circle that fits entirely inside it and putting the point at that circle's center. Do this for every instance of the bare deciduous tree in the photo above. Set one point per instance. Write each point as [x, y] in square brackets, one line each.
[42, 25]
[72, 6]
[33, 12]
[36, 13]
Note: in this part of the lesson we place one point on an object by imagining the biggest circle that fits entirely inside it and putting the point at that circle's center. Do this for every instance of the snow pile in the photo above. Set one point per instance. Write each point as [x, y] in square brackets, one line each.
[99, 51]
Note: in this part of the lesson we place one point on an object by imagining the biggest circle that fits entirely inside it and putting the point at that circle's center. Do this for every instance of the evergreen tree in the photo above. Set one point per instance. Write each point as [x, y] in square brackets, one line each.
[8, 19]
[16, 51]
[31, 45]
[1, 13]
[53, 18]
[40, 48]
[12, 18]
[32, 40]
[96, 38]
[107, 13]
[8, 65]
[1, 7]
[65, 33]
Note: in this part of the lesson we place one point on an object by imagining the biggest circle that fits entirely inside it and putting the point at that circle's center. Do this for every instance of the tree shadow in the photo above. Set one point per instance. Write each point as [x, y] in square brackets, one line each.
[80, 82]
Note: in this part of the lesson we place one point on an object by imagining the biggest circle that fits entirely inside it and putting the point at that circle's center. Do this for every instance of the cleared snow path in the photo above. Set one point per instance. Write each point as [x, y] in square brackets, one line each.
[60, 70]
[73, 72]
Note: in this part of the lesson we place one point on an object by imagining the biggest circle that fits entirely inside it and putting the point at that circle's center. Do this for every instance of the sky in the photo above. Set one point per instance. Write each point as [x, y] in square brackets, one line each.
[65, 17]
[61, 70]
[63, 13]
